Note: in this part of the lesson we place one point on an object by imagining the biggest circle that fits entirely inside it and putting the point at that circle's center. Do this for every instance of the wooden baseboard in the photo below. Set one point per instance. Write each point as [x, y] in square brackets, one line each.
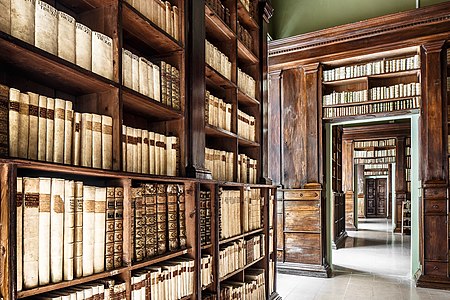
[304, 270]
[340, 243]
[433, 282]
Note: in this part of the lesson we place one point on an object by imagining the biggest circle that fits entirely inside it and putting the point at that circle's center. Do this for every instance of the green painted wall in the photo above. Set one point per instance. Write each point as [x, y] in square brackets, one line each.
[293, 17]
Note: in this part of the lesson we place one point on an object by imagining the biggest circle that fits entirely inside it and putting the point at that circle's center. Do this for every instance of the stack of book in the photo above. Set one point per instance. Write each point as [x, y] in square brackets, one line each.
[229, 213]
[62, 226]
[246, 126]
[220, 163]
[232, 290]
[205, 217]
[40, 24]
[253, 203]
[244, 36]
[217, 112]
[231, 258]
[246, 84]
[206, 270]
[220, 10]
[217, 60]
[247, 169]
[372, 68]
[107, 289]
[255, 284]
[345, 97]
[172, 279]
[254, 248]
[47, 129]
[159, 221]
[395, 91]
[149, 152]
[163, 14]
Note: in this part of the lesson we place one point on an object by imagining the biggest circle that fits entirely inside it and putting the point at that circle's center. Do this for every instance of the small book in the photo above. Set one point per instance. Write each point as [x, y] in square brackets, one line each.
[5, 17]
[46, 27]
[107, 140]
[138, 153]
[42, 128]
[76, 139]
[109, 244]
[22, 20]
[68, 132]
[86, 140]
[14, 119]
[118, 226]
[158, 154]
[145, 153]
[99, 229]
[23, 125]
[57, 230]
[44, 230]
[58, 149]
[172, 149]
[50, 130]
[151, 152]
[102, 55]
[127, 69]
[66, 36]
[33, 111]
[135, 72]
[69, 229]
[96, 141]
[4, 104]
[163, 84]
[176, 26]
[88, 229]
[78, 237]
[176, 102]
[19, 232]
[163, 154]
[83, 48]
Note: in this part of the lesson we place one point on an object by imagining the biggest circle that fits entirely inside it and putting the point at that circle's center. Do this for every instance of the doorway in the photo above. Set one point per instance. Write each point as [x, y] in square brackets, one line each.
[376, 204]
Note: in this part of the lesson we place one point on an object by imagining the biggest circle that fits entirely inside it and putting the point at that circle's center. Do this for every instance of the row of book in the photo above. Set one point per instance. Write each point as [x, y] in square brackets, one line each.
[107, 289]
[149, 152]
[373, 68]
[48, 129]
[220, 10]
[229, 213]
[172, 279]
[66, 230]
[162, 13]
[252, 205]
[395, 91]
[231, 258]
[246, 83]
[381, 160]
[220, 163]
[246, 126]
[253, 287]
[376, 166]
[206, 267]
[254, 248]
[374, 153]
[345, 97]
[205, 217]
[159, 219]
[217, 112]
[247, 169]
[40, 24]
[217, 60]
[375, 143]
[370, 108]
[376, 173]
[245, 37]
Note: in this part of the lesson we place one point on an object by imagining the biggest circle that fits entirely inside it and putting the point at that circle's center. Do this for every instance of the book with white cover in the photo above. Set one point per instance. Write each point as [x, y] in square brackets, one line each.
[14, 107]
[33, 110]
[5, 16]
[151, 87]
[76, 139]
[58, 148]
[30, 232]
[145, 144]
[135, 72]
[22, 20]
[138, 156]
[102, 55]
[127, 72]
[50, 129]
[69, 229]
[107, 140]
[23, 125]
[83, 46]
[156, 83]
[143, 76]
[88, 229]
[78, 237]
[151, 152]
[66, 36]
[57, 230]
[86, 140]
[44, 230]
[99, 229]
[42, 128]
[68, 121]
[46, 27]
[96, 141]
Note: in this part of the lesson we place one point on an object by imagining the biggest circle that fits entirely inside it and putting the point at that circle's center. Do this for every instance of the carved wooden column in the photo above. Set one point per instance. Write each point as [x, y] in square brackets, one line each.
[400, 181]
[274, 129]
[434, 225]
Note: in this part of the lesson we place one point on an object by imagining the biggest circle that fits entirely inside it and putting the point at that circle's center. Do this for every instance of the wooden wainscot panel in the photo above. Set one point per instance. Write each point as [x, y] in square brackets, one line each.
[435, 268]
[435, 235]
[301, 216]
[435, 193]
[302, 248]
[301, 195]
[435, 206]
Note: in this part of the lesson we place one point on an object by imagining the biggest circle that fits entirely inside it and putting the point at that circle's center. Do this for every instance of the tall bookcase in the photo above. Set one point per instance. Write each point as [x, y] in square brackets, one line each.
[339, 232]
[28, 68]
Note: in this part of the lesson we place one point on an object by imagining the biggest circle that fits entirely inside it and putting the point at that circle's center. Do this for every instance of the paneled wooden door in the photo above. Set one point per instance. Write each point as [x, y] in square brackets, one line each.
[376, 191]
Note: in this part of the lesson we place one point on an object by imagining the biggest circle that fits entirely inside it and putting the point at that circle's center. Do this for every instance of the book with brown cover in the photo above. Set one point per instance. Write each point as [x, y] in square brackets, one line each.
[50, 130]
[22, 20]
[172, 216]
[96, 141]
[23, 125]
[107, 140]
[57, 230]
[151, 247]
[182, 216]
[69, 229]
[161, 218]
[30, 232]
[78, 237]
[58, 149]
[139, 225]
[68, 121]
[46, 27]
[109, 244]
[163, 83]
[118, 226]
[19, 232]
[4, 103]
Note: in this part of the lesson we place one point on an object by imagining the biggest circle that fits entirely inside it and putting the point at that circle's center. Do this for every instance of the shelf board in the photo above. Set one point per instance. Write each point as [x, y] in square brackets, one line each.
[346, 81]
[374, 148]
[214, 131]
[247, 56]
[65, 284]
[80, 6]
[363, 79]
[370, 102]
[148, 32]
[241, 269]
[140, 104]
[253, 232]
[247, 143]
[159, 258]
[216, 26]
[246, 100]
[51, 69]
[230, 239]
[207, 246]
[215, 78]
[374, 115]
[245, 17]
[207, 286]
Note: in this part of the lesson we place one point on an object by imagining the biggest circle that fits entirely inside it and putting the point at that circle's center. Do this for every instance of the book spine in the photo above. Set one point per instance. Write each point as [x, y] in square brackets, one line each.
[161, 218]
[145, 153]
[83, 48]
[4, 113]
[58, 149]
[19, 232]
[138, 156]
[151, 153]
[143, 76]
[69, 229]
[139, 225]
[157, 82]
[50, 130]
[44, 230]
[57, 230]
[88, 229]
[22, 20]
[109, 245]
[66, 37]
[181, 217]
[68, 121]
[124, 148]
[118, 226]
[14, 119]
[127, 70]
[150, 220]
[86, 140]
[102, 55]
[135, 149]
[42, 128]
[78, 239]
[76, 139]
[151, 87]
[172, 216]
[33, 112]
[135, 72]
[23, 125]
[96, 141]
[99, 229]
[46, 27]
[107, 140]
[130, 149]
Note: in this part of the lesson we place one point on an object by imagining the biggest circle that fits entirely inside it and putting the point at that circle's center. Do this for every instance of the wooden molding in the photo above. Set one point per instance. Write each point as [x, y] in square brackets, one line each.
[377, 131]
[433, 47]
[311, 68]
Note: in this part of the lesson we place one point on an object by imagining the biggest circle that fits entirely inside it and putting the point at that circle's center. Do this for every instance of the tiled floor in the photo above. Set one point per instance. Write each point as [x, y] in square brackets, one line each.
[374, 265]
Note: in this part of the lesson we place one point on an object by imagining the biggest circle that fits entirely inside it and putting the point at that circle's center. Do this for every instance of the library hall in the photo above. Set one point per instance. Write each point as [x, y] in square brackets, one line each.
[224, 149]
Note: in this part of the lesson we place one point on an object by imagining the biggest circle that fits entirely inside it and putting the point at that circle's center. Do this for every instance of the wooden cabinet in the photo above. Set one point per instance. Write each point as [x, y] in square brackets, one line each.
[376, 198]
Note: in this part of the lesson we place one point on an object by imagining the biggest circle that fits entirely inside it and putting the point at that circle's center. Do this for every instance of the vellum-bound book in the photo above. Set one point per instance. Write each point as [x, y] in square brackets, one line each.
[134, 72]
[33, 110]
[44, 230]
[145, 144]
[102, 55]
[30, 232]
[69, 229]
[143, 76]
[83, 48]
[5, 16]
[76, 139]
[68, 121]
[86, 140]
[107, 141]
[88, 229]
[66, 36]
[58, 148]
[96, 141]
[42, 128]
[14, 107]
[99, 229]
[24, 102]
[22, 20]
[172, 146]
[46, 27]
[127, 72]
[50, 129]
[57, 230]
[78, 237]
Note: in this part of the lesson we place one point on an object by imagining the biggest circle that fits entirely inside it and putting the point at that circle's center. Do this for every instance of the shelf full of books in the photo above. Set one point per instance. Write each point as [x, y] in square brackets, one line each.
[382, 87]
